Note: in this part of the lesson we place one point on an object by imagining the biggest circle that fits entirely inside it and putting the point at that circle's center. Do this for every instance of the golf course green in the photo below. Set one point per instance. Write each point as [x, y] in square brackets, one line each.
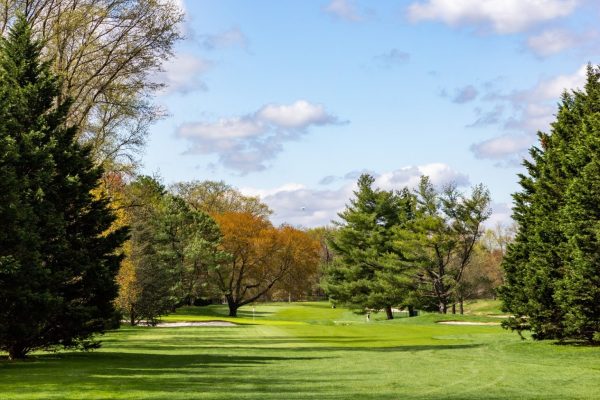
[311, 351]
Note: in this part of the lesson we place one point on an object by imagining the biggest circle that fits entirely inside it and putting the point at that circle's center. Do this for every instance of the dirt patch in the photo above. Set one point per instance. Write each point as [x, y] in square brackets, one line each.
[469, 323]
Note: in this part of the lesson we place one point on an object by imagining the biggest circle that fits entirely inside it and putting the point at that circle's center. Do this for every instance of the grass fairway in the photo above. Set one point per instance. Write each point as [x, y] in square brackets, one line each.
[310, 351]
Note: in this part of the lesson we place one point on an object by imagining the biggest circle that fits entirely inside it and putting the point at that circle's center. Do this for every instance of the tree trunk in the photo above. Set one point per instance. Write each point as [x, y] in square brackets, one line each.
[411, 311]
[462, 308]
[132, 316]
[388, 312]
[453, 308]
[233, 307]
[16, 353]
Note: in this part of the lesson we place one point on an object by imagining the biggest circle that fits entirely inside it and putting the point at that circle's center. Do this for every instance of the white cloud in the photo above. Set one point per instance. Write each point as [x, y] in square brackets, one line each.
[532, 111]
[223, 129]
[246, 143]
[439, 173]
[551, 42]
[296, 204]
[502, 147]
[504, 16]
[182, 74]
[298, 115]
[552, 89]
[343, 9]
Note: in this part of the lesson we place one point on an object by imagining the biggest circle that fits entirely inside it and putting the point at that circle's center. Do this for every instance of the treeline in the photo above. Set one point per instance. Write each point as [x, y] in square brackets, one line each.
[412, 249]
[200, 242]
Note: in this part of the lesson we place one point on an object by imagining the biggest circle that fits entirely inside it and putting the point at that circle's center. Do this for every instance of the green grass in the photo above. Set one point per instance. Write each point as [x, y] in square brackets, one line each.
[310, 351]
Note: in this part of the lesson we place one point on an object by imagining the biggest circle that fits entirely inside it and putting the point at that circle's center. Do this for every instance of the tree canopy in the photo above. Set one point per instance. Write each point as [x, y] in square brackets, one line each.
[58, 256]
[552, 280]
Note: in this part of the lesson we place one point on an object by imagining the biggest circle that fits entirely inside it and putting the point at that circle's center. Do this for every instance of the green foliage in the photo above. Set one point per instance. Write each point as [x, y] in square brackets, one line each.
[552, 278]
[172, 248]
[57, 261]
[440, 239]
[367, 272]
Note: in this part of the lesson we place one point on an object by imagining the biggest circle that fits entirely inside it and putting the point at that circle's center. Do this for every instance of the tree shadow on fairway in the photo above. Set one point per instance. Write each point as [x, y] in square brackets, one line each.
[113, 372]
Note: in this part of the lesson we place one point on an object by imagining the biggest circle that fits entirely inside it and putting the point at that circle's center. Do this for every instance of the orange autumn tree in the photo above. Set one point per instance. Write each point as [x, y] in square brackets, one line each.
[260, 256]
[300, 281]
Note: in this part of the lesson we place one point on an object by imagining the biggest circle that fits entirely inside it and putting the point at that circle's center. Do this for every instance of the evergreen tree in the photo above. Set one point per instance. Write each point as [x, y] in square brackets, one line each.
[439, 241]
[552, 282]
[368, 272]
[57, 263]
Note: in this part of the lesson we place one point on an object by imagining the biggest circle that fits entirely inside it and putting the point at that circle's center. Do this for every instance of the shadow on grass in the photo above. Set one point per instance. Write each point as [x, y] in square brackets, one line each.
[156, 371]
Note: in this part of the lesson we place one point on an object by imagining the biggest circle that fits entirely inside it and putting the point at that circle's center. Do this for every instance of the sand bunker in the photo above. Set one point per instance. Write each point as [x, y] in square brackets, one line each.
[468, 323]
[187, 324]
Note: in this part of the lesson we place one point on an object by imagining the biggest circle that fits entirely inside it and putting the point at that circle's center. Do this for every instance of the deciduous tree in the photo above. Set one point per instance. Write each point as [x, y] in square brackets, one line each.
[106, 53]
[218, 197]
[260, 255]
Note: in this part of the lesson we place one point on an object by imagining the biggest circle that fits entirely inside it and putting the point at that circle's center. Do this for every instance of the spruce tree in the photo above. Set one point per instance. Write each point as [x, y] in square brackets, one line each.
[552, 283]
[57, 263]
[368, 272]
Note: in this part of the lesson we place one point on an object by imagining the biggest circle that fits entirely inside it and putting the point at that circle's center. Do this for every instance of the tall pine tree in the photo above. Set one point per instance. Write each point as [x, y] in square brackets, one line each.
[552, 284]
[368, 272]
[57, 263]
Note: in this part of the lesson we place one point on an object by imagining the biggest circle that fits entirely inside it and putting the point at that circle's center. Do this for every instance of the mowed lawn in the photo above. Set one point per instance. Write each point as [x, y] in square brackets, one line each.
[310, 351]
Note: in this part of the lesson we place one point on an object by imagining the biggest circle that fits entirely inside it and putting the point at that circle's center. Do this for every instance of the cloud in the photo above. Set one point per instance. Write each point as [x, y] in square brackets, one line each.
[349, 176]
[298, 115]
[343, 9]
[182, 74]
[230, 38]
[502, 147]
[557, 40]
[503, 16]
[551, 42]
[552, 89]
[246, 143]
[439, 173]
[297, 204]
[486, 118]
[531, 110]
[465, 94]
[392, 58]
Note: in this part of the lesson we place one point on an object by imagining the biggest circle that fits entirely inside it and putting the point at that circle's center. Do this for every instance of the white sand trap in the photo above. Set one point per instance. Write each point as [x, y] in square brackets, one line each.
[468, 323]
[187, 324]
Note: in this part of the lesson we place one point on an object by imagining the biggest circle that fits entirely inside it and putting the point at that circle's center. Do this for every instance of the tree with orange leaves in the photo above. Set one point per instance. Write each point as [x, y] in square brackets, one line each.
[260, 256]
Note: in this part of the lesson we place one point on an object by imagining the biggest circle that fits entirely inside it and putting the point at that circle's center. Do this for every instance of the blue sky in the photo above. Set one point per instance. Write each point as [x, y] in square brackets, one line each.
[292, 100]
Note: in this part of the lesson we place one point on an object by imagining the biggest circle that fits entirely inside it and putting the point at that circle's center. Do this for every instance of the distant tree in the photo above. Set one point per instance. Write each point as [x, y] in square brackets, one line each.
[368, 272]
[324, 235]
[259, 257]
[300, 281]
[106, 53]
[441, 238]
[58, 256]
[145, 283]
[218, 197]
[552, 284]
[172, 247]
[188, 244]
